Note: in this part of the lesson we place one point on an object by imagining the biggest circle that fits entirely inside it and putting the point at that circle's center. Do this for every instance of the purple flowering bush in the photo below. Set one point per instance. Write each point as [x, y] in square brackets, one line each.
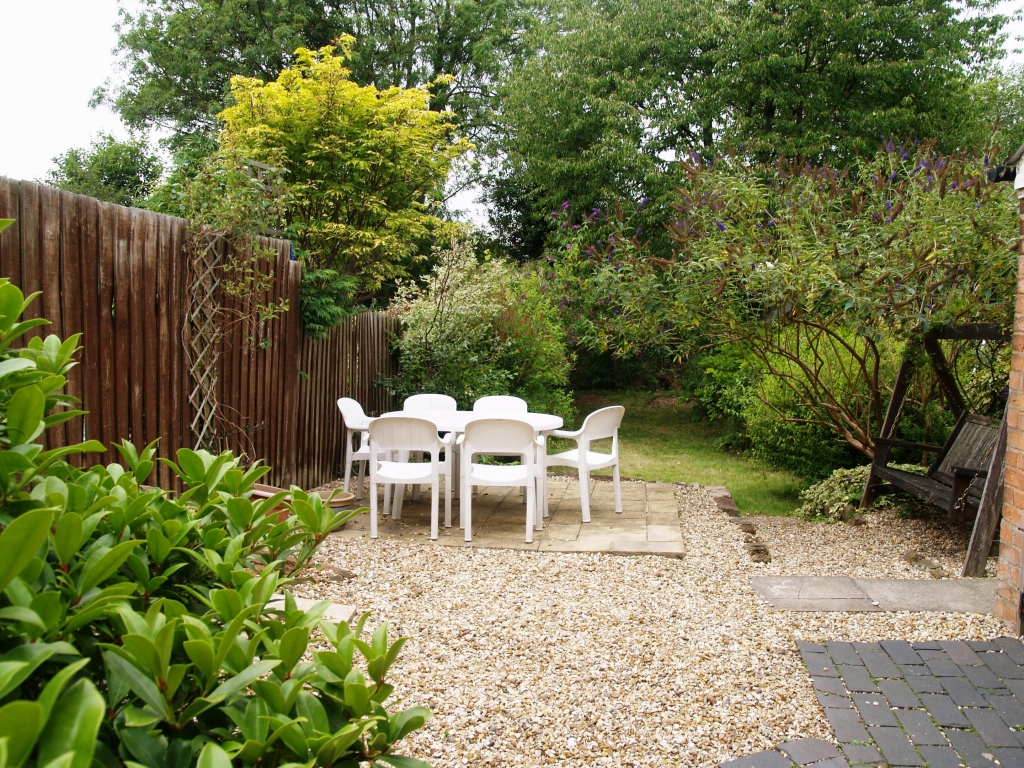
[820, 276]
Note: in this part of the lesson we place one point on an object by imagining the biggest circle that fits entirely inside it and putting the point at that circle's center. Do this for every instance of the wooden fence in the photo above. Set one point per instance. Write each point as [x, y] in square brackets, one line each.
[117, 276]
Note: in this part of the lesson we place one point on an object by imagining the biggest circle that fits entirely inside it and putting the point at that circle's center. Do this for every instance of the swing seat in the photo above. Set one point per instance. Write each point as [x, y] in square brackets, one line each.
[949, 483]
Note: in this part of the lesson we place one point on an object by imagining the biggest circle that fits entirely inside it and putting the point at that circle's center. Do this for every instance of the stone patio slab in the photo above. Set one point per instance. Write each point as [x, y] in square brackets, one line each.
[840, 593]
[648, 525]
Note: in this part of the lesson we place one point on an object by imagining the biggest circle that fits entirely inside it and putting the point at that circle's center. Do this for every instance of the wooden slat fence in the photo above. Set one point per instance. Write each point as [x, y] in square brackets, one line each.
[117, 276]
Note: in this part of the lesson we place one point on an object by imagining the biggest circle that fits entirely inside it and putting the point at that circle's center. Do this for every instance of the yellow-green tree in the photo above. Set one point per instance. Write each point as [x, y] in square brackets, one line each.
[363, 173]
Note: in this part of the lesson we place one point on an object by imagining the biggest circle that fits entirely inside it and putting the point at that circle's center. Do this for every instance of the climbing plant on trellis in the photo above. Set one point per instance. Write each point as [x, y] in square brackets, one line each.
[228, 279]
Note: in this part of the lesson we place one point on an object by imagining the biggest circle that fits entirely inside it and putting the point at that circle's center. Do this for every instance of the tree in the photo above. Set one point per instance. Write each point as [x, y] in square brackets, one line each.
[596, 115]
[363, 172]
[122, 172]
[820, 277]
[179, 55]
[824, 79]
[619, 89]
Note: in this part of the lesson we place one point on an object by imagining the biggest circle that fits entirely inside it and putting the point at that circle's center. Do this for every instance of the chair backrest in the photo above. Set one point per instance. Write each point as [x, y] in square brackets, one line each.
[499, 437]
[603, 423]
[501, 404]
[430, 403]
[352, 413]
[403, 433]
[970, 446]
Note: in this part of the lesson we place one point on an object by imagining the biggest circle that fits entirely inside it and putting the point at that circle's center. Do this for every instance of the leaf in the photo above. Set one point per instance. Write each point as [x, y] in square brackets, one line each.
[20, 541]
[75, 723]
[14, 364]
[201, 654]
[242, 680]
[410, 720]
[20, 723]
[400, 761]
[25, 615]
[68, 536]
[25, 415]
[292, 645]
[55, 686]
[63, 761]
[140, 684]
[102, 566]
[213, 756]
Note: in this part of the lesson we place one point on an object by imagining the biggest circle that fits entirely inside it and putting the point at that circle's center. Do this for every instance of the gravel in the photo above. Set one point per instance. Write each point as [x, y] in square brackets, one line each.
[874, 550]
[597, 660]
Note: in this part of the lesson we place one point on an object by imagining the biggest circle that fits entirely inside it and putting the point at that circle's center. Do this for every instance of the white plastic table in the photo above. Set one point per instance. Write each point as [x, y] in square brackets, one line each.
[456, 421]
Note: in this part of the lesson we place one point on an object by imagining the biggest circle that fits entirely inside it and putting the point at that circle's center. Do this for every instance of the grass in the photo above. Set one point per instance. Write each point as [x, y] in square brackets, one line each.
[660, 442]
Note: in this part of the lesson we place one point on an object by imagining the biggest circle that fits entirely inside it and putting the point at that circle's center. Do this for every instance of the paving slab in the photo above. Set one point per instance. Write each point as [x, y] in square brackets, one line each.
[767, 759]
[808, 751]
[841, 593]
[948, 595]
[336, 612]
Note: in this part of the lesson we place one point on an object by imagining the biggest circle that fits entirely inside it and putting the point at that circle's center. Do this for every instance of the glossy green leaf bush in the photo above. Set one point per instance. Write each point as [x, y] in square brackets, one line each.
[135, 628]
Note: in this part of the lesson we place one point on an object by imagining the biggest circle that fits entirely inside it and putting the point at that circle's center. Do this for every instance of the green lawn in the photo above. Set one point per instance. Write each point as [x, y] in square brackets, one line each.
[660, 442]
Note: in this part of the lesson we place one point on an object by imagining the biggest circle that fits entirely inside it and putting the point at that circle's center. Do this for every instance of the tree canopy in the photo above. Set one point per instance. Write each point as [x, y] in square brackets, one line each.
[179, 55]
[619, 89]
[122, 172]
[363, 169]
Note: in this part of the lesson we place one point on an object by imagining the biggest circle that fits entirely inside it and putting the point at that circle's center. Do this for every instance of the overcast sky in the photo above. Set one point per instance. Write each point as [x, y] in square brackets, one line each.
[54, 53]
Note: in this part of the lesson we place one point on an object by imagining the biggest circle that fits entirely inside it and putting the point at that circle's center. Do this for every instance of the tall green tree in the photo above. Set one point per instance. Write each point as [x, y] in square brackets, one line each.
[179, 55]
[122, 172]
[619, 89]
[825, 79]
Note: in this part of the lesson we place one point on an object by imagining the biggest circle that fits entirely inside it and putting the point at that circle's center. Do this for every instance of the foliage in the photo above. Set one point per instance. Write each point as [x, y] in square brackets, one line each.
[820, 276]
[362, 168]
[616, 91]
[122, 172]
[829, 498]
[822, 80]
[179, 55]
[475, 329]
[230, 199]
[136, 626]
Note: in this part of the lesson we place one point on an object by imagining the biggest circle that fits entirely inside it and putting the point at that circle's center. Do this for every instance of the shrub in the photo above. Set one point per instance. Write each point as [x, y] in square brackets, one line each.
[134, 624]
[481, 328]
[828, 499]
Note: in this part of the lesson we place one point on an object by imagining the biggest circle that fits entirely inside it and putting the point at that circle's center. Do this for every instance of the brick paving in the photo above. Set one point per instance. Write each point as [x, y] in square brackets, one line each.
[942, 705]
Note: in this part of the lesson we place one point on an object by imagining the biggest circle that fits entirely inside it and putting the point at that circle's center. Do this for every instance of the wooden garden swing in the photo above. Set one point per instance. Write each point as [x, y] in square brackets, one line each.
[966, 475]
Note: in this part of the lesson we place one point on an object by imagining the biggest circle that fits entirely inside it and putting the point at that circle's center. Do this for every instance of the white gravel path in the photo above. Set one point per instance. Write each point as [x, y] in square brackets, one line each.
[597, 660]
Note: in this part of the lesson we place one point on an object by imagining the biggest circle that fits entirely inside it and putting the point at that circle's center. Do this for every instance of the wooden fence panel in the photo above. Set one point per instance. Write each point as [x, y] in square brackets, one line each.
[118, 276]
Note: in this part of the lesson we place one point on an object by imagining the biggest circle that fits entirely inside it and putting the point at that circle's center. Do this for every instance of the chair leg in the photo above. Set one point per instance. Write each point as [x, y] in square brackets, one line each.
[617, 482]
[585, 493]
[531, 514]
[433, 509]
[448, 500]
[373, 509]
[466, 511]
[418, 458]
[535, 497]
[387, 496]
[348, 468]
[544, 492]
[362, 475]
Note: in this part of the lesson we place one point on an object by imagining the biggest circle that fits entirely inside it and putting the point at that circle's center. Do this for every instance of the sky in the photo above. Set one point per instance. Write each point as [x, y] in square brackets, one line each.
[56, 52]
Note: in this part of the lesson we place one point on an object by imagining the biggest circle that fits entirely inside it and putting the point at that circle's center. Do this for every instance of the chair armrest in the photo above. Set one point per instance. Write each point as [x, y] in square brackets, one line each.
[968, 472]
[563, 433]
[541, 441]
[446, 438]
[924, 447]
[461, 439]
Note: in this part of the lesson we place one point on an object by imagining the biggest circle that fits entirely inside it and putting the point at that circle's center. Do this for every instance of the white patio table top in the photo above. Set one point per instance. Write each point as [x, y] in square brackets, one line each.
[456, 421]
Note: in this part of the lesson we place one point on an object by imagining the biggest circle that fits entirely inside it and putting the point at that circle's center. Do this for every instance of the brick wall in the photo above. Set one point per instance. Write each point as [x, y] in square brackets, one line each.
[1011, 530]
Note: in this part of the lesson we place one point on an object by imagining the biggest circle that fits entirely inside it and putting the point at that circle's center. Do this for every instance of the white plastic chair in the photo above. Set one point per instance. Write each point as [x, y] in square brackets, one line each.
[500, 404]
[414, 404]
[429, 403]
[600, 424]
[499, 437]
[356, 423]
[400, 435]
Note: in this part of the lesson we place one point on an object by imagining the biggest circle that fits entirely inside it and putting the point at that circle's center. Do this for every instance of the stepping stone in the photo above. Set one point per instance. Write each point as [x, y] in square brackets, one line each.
[767, 759]
[336, 612]
[896, 747]
[807, 751]
[841, 593]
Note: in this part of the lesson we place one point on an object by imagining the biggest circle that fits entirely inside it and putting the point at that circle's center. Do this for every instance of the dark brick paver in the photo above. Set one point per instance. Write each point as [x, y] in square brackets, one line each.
[941, 704]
